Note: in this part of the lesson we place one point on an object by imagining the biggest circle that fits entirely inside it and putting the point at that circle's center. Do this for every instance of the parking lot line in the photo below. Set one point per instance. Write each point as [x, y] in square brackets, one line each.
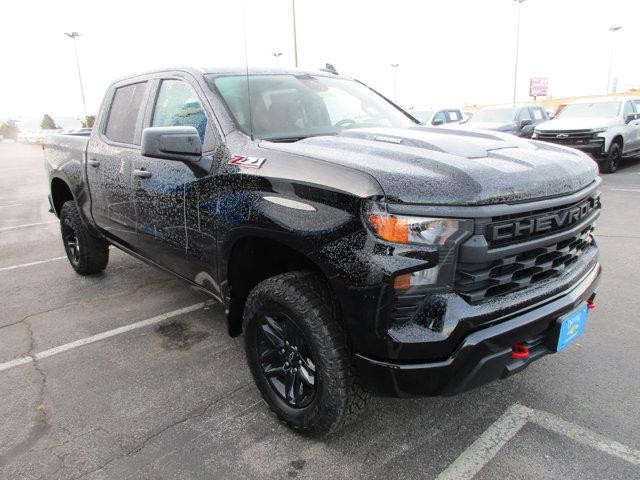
[101, 336]
[12, 267]
[26, 225]
[482, 451]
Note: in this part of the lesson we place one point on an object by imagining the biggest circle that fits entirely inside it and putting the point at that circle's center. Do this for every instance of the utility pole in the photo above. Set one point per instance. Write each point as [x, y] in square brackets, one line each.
[612, 29]
[295, 34]
[515, 73]
[74, 36]
[394, 67]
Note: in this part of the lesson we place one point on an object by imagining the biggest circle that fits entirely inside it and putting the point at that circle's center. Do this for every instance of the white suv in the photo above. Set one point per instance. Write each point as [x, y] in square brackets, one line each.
[606, 128]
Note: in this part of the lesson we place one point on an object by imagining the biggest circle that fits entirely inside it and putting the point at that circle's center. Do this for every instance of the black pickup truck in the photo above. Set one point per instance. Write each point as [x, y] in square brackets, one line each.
[356, 251]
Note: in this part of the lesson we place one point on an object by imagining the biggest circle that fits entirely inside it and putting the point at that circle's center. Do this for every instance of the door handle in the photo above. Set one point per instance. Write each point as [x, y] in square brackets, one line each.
[142, 173]
[93, 162]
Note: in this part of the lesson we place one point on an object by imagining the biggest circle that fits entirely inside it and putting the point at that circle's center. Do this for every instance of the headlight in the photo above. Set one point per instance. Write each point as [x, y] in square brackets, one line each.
[598, 130]
[441, 235]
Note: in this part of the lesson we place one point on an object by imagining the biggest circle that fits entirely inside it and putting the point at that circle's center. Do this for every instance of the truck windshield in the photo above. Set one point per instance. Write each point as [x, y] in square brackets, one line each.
[494, 115]
[586, 110]
[286, 107]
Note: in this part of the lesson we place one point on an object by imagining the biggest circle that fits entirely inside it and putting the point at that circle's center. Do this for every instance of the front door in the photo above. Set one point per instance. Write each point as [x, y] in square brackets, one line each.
[161, 187]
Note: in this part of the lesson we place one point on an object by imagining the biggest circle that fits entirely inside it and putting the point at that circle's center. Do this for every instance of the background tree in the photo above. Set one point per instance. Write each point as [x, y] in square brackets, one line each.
[89, 121]
[9, 129]
[47, 123]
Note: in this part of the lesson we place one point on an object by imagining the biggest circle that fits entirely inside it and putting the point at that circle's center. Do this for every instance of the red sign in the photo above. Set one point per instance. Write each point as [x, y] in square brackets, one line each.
[538, 87]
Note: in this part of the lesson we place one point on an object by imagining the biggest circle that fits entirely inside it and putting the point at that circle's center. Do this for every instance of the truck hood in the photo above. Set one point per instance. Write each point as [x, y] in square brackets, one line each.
[442, 166]
[576, 123]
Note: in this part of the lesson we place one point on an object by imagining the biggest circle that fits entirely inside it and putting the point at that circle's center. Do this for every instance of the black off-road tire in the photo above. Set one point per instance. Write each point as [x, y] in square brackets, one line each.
[305, 299]
[87, 253]
[611, 162]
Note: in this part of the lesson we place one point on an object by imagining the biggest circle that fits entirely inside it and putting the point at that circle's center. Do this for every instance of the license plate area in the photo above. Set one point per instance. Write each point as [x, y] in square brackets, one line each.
[570, 326]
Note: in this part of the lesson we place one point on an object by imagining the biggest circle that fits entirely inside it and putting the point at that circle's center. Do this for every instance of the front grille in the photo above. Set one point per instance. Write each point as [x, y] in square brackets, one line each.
[569, 137]
[483, 228]
[476, 282]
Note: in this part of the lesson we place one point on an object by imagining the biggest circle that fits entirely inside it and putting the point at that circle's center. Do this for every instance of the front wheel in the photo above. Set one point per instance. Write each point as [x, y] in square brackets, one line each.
[610, 164]
[87, 254]
[298, 355]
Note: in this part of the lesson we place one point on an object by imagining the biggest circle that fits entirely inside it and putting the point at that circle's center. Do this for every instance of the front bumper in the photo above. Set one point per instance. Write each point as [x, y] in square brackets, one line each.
[484, 355]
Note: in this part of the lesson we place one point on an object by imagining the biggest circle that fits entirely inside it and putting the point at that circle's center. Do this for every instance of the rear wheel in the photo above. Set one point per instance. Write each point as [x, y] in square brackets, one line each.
[610, 164]
[87, 254]
[298, 354]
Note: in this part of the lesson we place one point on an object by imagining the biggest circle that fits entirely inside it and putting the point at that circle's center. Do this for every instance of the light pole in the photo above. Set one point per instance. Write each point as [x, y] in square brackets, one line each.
[277, 56]
[395, 67]
[295, 34]
[74, 36]
[515, 73]
[612, 30]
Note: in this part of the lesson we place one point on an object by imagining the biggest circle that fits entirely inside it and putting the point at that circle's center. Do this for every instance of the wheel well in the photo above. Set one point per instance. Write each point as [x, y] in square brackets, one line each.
[252, 260]
[618, 139]
[60, 193]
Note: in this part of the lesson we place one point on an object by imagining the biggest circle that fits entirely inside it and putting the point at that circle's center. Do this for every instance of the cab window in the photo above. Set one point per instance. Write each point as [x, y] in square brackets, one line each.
[178, 105]
[439, 118]
[124, 111]
[628, 108]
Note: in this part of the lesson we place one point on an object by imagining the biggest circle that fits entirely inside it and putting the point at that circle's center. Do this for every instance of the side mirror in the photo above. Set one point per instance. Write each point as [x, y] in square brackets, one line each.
[526, 122]
[437, 122]
[631, 117]
[171, 143]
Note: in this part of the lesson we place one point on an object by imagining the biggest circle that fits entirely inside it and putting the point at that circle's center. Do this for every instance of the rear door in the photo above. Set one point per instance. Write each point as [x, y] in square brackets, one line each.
[109, 158]
[164, 189]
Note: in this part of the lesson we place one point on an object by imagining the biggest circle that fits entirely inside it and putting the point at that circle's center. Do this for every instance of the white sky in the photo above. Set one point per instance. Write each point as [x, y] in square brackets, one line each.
[449, 51]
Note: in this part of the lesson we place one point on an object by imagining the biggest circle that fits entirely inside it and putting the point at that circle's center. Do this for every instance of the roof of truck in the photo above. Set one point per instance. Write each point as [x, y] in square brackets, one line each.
[238, 71]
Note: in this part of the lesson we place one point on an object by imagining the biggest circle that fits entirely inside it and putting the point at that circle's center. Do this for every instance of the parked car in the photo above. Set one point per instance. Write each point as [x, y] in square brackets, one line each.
[355, 250]
[517, 120]
[438, 116]
[607, 128]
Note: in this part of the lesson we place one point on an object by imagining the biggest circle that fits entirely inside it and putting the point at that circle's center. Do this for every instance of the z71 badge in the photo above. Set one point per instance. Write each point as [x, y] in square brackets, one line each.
[253, 162]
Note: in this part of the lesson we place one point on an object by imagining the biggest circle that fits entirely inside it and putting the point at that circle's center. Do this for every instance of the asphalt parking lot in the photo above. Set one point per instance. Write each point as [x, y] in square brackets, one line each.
[129, 374]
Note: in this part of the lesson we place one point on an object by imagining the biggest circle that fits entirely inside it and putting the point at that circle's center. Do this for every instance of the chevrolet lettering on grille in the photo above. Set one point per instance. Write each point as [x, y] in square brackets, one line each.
[526, 227]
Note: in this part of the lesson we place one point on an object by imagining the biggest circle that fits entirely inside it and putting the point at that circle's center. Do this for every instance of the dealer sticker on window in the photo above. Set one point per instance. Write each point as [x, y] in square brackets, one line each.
[253, 162]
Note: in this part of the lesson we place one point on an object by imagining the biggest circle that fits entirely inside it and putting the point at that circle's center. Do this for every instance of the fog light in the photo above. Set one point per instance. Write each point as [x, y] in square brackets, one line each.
[428, 276]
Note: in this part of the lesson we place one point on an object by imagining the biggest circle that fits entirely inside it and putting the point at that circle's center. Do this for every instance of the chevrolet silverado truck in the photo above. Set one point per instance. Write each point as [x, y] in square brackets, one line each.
[608, 129]
[357, 251]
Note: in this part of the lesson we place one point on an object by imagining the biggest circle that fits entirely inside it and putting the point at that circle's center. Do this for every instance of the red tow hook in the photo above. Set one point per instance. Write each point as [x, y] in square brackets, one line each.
[519, 351]
[591, 304]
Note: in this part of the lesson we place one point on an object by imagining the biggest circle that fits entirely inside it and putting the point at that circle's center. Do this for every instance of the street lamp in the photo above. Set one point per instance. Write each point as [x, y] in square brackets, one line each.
[515, 73]
[395, 67]
[74, 36]
[612, 29]
[295, 34]
[277, 55]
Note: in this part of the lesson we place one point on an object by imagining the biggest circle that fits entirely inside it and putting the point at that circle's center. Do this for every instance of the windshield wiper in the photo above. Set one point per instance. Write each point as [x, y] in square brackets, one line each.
[295, 138]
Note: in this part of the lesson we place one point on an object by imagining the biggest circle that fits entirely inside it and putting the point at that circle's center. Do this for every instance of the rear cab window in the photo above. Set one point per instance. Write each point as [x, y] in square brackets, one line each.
[124, 113]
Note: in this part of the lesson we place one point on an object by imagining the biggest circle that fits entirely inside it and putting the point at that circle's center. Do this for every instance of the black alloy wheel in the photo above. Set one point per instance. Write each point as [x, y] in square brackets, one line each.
[610, 164]
[286, 360]
[70, 241]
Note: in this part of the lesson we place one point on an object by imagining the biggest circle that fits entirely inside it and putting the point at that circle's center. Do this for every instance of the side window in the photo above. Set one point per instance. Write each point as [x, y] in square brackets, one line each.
[440, 116]
[636, 103]
[628, 108]
[178, 105]
[124, 111]
[537, 113]
[524, 114]
[454, 115]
